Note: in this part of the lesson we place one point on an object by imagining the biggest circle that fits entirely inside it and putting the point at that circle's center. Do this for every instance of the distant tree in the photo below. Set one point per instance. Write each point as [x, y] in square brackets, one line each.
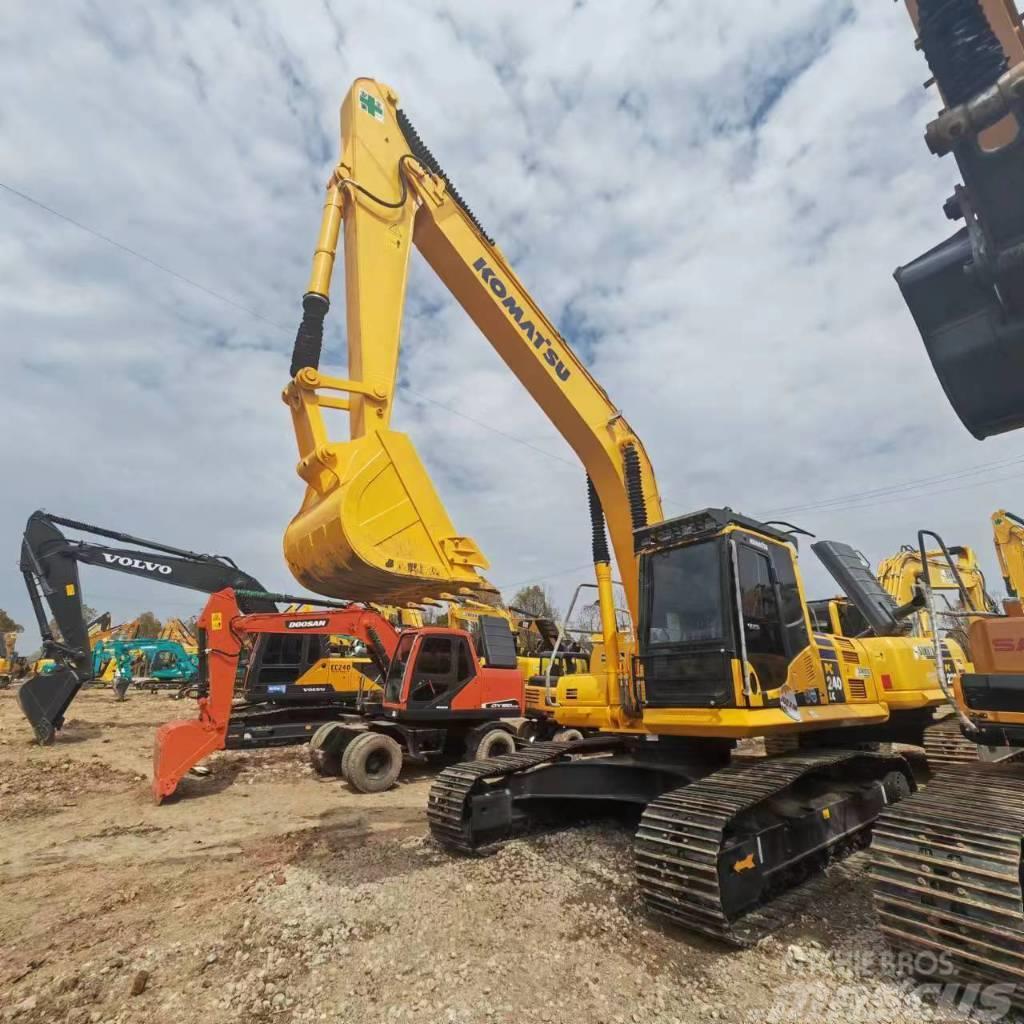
[485, 595]
[88, 613]
[149, 625]
[589, 618]
[8, 625]
[535, 600]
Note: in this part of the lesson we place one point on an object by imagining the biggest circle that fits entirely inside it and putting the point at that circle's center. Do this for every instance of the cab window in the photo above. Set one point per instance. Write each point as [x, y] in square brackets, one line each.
[396, 670]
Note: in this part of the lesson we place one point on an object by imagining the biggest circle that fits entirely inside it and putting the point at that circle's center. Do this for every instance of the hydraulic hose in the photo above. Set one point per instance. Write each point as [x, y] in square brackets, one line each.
[963, 52]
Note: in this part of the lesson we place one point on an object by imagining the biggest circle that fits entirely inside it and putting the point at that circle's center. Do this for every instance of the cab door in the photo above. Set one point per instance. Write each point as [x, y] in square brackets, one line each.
[760, 617]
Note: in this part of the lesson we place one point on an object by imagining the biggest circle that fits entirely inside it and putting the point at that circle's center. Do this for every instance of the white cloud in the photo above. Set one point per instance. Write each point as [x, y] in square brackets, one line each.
[718, 193]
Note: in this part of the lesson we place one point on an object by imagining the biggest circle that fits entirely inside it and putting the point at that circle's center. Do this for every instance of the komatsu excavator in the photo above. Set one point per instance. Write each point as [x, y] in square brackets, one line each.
[957, 588]
[724, 648]
[947, 864]
[958, 593]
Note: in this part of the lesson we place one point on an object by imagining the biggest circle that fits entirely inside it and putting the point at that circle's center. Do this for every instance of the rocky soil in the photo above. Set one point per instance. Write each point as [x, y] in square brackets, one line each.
[267, 894]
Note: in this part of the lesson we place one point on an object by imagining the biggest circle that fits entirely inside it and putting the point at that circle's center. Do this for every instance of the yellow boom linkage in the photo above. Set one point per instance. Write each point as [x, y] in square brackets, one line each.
[371, 524]
[1008, 538]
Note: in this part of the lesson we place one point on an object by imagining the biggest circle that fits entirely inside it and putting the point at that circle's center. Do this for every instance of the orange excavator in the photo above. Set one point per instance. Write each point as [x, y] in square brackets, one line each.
[438, 699]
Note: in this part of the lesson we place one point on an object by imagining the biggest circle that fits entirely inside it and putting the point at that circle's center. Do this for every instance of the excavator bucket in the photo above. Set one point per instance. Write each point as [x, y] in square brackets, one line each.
[180, 746]
[372, 527]
[45, 697]
[977, 351]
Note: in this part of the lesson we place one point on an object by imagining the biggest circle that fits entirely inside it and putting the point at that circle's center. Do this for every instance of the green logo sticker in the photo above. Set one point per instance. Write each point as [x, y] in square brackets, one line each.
[371, 105]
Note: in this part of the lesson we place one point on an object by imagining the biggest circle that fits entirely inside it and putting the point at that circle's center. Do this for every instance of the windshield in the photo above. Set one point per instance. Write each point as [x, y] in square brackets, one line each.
[396, 670]
[685, 595]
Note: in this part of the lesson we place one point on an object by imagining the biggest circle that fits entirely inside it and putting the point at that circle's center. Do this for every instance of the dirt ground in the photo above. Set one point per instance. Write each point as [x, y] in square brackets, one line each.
[267, 893]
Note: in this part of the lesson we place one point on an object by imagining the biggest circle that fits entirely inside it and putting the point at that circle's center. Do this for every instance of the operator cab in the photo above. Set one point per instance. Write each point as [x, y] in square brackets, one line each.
[718, 590]
[837, 616]
[713, 586]
[437, 673]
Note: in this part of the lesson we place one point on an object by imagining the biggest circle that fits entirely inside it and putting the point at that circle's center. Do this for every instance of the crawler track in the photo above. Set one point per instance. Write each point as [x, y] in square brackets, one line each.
[448, 805]
[946, 746]
[946, 872]
[698, 867]
[723, 855]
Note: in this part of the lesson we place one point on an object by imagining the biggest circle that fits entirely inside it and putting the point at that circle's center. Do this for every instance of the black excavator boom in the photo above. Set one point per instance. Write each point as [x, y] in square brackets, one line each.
[967, 293]
[49, 564]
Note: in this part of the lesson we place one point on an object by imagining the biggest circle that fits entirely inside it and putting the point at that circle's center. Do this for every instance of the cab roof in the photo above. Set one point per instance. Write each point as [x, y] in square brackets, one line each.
[708, 522]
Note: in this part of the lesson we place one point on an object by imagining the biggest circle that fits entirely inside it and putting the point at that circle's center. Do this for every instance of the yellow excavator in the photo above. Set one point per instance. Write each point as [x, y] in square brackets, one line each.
[8, 658]
[947, 863]
[954, 576]
[1008, 537]
[179, 632]
[723, 646]
[958, 592]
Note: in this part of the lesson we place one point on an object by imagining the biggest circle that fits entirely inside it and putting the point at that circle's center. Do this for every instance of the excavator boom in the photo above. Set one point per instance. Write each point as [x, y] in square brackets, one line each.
[1008, 537]
[49, 564]
[371, 525]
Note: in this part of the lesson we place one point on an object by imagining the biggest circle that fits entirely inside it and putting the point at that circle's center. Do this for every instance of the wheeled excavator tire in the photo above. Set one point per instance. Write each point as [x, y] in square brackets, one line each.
[496, 742]
[372, 762]
[326, 747]
[567, 736]
[946, 874]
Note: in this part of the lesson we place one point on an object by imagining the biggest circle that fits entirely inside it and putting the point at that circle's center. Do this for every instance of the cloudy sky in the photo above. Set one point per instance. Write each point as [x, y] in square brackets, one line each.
[708, 199]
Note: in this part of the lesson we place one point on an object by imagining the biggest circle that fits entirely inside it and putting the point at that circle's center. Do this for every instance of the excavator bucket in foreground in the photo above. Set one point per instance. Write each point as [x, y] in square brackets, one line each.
[180, 746]
[45, 697]
[372, 527]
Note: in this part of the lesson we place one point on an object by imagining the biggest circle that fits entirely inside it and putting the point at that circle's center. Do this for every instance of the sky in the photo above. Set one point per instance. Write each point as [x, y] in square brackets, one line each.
[708, 200]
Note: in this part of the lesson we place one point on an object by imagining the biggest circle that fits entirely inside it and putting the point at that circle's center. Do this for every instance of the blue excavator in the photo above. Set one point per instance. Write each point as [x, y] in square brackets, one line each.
[148, 662]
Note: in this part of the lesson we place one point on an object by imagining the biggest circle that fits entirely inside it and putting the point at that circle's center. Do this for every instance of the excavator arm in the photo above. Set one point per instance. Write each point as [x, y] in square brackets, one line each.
[1008, 538]
[371, 524]
[179, 632]
[49, 564]
[967, 293]
[222, 630]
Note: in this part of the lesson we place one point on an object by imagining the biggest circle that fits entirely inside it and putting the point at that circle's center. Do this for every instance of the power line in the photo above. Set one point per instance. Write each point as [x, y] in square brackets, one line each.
[139, 255]
[259, 316]
[542, 579]
[273, 323]
[834, 504]
[858, 496]
[487, 426]
[854, 506]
